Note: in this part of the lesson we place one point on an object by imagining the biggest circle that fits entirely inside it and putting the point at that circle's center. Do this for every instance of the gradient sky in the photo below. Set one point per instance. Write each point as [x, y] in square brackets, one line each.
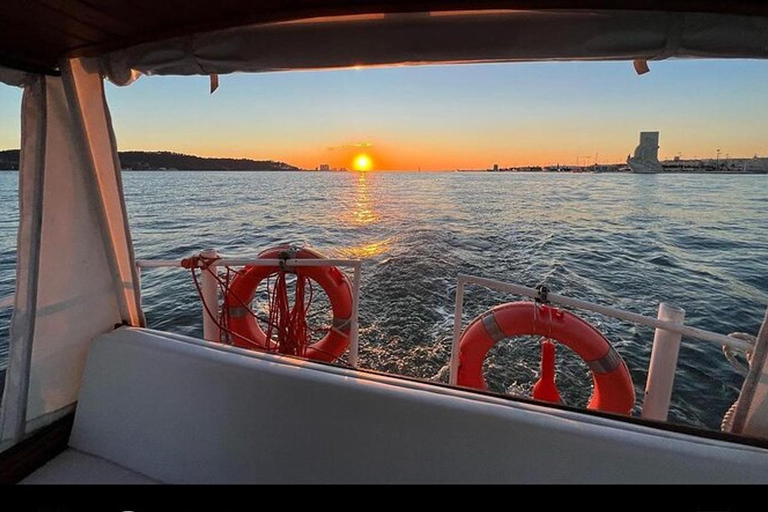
[445, 117]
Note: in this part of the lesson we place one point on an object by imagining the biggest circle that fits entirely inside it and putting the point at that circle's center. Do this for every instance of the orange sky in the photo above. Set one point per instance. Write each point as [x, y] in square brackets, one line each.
[445, 117]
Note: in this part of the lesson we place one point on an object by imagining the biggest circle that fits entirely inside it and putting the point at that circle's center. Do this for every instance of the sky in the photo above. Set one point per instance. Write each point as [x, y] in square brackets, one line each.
[444, 117]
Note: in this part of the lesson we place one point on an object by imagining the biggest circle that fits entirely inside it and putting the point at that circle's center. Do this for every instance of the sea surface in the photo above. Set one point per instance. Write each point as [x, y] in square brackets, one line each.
[629, 241]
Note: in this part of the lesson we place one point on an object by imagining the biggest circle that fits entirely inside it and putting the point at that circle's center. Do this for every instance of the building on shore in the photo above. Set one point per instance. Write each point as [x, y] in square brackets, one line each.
[645, 160]
[752, 165]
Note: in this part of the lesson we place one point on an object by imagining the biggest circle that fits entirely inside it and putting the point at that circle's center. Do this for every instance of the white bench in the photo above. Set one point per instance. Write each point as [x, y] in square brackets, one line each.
[179, 410]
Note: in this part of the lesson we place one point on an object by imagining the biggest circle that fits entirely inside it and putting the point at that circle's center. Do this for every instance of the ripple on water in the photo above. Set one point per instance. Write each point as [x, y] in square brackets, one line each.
[630, 241]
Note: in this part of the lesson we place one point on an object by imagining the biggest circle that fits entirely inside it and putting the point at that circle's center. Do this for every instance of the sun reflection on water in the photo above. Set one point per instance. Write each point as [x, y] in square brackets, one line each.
[362, 212]
[368, 250]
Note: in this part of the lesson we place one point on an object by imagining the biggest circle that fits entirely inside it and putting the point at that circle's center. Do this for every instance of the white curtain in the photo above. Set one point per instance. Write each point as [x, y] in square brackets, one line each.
[75, 275]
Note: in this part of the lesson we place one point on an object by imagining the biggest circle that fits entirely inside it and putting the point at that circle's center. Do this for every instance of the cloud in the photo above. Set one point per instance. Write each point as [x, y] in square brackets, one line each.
[356, 145]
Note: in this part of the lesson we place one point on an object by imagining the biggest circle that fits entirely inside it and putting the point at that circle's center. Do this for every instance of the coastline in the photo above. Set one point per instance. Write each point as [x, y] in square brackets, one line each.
[468, 171]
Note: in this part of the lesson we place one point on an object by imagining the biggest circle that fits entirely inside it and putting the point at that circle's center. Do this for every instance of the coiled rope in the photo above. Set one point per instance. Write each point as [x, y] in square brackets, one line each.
[287, 329]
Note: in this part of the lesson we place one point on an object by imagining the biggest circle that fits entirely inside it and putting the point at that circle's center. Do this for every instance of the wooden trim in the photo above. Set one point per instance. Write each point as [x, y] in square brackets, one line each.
[22, 459]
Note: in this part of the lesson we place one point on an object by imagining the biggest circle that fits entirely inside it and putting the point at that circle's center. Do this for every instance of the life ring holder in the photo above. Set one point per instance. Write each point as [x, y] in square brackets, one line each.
[245, 329]
[613, 387]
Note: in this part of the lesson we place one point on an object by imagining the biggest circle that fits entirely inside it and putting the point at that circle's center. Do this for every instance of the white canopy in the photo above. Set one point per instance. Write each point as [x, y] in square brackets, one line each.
[446, 38]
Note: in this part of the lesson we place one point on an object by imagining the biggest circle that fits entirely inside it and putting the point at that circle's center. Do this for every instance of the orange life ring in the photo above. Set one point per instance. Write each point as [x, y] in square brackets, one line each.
[333, 282]
[614, 391]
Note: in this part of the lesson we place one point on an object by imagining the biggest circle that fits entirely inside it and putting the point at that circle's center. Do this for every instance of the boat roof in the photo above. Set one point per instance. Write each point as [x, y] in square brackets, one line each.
[36, 34]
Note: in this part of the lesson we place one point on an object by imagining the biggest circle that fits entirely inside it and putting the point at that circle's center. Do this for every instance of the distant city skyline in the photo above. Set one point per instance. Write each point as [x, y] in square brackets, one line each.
[444, 117]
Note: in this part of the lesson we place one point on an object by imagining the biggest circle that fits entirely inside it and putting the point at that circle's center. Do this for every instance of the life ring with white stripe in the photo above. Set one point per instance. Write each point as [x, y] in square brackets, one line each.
[613, 387]
[247, 333]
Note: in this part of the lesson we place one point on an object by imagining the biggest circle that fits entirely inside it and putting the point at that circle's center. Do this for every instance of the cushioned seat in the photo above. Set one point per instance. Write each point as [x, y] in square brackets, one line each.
[75, 467]
[160, 407]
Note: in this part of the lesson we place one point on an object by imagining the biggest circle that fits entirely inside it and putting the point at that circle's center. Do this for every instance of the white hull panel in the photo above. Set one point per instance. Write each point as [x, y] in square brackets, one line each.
[181, 410]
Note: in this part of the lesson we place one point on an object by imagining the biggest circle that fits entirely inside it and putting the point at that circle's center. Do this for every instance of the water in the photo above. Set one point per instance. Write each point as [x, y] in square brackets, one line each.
[630, 241]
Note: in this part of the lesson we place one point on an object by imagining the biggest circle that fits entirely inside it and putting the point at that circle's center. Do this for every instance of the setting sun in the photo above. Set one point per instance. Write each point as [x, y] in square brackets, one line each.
[362, 162]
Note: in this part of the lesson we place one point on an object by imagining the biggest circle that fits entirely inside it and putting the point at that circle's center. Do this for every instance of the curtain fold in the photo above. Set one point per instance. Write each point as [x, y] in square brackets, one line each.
[76, 276]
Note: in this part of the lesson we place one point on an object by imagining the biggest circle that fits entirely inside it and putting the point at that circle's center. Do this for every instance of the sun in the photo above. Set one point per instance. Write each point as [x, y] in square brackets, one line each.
[362, 162]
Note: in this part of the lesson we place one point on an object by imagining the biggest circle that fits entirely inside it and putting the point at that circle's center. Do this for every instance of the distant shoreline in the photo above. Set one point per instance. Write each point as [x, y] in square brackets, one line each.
[166, 161]
[149, 171]
[315, 171]
[151, 161]
[616, 172]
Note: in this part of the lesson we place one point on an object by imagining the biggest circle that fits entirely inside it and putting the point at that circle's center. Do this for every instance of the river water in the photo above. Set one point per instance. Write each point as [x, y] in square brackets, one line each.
[630, 241]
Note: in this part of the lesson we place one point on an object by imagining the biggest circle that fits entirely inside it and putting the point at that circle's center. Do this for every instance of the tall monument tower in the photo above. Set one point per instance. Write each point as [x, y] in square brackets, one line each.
[646, 157]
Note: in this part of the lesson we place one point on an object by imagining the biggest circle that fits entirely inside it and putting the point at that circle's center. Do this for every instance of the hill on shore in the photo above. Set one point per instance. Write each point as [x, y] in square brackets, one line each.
[166, 160]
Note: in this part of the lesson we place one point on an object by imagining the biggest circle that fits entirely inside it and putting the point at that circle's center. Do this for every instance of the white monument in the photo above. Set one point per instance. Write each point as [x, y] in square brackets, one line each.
[646, 157]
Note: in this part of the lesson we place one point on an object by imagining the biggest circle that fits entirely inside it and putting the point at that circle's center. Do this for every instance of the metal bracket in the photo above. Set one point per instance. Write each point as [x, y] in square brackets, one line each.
[543, 294]
[286, 255]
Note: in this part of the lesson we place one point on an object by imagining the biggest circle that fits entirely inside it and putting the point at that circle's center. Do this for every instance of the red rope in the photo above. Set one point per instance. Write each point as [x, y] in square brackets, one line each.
[293, 335]
[204, 263]
[285, 323]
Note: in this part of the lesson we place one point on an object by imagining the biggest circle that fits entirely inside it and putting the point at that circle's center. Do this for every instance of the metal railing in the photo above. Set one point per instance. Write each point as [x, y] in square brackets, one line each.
[669, 331]
[210, 289]
[669, 324]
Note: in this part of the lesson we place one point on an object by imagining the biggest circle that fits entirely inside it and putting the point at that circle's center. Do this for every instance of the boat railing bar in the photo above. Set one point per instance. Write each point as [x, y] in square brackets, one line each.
[241, 262]
[666, 341]
[676, 327]
[209, 327]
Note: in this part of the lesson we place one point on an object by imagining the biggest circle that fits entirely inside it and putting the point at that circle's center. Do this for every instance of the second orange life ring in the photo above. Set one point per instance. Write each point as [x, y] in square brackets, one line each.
[334, 283]
[614, 390]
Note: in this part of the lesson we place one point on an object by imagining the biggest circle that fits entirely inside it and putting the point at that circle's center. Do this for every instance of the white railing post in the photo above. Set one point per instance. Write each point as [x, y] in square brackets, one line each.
[661, 370]
[354, 343]
[458, 313]
[210, 292]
